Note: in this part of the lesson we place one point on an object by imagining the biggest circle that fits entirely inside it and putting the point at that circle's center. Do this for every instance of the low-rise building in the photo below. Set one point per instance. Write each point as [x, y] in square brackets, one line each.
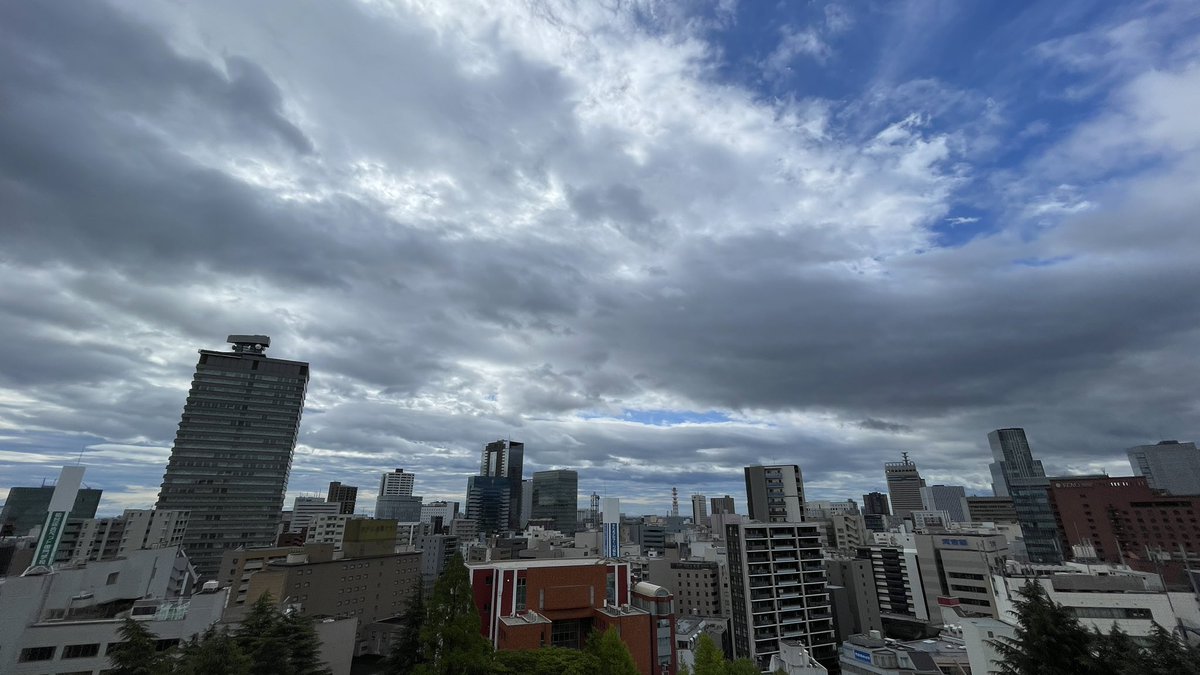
[529, 604]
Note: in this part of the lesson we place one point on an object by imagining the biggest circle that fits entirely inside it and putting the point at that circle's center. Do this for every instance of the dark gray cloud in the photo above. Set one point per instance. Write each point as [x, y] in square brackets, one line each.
[500, 223]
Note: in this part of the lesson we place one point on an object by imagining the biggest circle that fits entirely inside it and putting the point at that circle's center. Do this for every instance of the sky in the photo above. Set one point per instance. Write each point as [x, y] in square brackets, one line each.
[655, 241]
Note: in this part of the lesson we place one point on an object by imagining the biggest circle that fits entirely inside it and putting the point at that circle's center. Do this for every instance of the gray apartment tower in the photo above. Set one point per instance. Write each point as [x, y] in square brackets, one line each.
[233, 451]
[775, 494]
[1016, 474]
[555, 496]
[1170, 466]
[904, 486]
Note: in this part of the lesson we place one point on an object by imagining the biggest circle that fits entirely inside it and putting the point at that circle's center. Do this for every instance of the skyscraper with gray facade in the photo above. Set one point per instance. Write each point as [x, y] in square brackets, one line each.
[233, 450]
[506, 459]
[1170, 466]
[775, 494]
[1016, 474]
[904, 486]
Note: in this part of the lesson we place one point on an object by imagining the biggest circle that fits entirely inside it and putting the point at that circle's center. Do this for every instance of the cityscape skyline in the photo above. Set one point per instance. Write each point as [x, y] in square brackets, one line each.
[655, 244]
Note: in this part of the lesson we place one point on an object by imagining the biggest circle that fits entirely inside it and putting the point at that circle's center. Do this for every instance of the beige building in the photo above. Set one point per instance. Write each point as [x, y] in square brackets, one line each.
[695, 584]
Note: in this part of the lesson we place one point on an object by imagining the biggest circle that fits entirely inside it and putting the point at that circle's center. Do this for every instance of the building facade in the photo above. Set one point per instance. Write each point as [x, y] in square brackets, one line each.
[775, 494]
[488, 500]
[1170, 466]
[1123, 520]
[133, 530]
[26, 508]
[346, 495]
[722, 506]
[306, 509]
[904, 486]
[949, 498]
[960, 565]
[778, 589]
[232, 455]
[555, 498]
[397, 483]
[1017, 475]
[529, 604]
[506, 459]
[991, 510]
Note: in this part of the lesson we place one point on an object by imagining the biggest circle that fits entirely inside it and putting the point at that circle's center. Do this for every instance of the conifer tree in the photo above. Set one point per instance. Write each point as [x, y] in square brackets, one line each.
[405, 654]
[451, 642]
[1048, 639]
[303, 645]
[138, 651]
[1166, 654]
[212, 652]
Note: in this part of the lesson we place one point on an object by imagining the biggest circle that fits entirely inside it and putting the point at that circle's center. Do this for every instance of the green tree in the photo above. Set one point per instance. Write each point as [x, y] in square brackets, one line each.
[1166, 654]
[212, 652]
[709, 659]
[303, 645]
[1117, 653]
[611, 655]
[742, 667]
[545, 661]
[138, 652]
[260, 638]
[405, 654]
[451, 642]
[1048, 639]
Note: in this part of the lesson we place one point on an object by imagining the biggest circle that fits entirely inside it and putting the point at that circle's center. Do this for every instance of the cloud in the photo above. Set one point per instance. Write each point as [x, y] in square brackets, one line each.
[523, 221]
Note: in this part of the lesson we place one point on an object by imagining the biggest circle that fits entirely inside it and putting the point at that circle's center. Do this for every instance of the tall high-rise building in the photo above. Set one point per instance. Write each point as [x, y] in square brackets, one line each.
[722, 505]
[699, 510]
[26, 508]
[778, 590]
[233, 451]
[1016, 474]
[876, 504]
[397, 483]
[556, 497]
[904, 486]
[949, 498]
[345, 495]
[1170, 466]
[775, 494]
[506, 459]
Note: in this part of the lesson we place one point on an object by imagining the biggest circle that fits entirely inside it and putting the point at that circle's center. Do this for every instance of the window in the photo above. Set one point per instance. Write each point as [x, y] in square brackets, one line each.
[36, 654]
[112, 578]
[81, 651]
[521, 592]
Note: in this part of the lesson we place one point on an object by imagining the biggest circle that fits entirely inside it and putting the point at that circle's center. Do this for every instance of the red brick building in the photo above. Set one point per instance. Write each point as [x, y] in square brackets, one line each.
[528, 604]
[1123, 519]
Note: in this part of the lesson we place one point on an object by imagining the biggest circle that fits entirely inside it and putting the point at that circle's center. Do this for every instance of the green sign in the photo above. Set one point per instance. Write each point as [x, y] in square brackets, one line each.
[51, 534]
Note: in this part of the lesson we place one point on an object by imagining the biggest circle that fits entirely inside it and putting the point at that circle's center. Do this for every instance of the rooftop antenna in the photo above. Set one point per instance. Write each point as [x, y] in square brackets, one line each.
[904, 455]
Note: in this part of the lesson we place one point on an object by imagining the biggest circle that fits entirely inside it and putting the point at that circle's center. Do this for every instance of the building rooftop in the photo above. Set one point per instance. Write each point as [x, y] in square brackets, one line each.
[525, 563]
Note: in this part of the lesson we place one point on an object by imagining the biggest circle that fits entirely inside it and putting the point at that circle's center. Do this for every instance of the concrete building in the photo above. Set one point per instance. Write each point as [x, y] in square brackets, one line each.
[315, 583]
[775, 494]
[528, 604]
[555, 498]
[1170, 466]
[25, 508]
[305, 509]
[778, 587]
[397, 483]
[854, 598]
[689, 629]
[898, 587]
[505, 459]
[793, 659]
[700, 510]
[133, 530]
[876, 503]
[346, 495]
[960, 565]
[327, 529]
[722, 506]
[949, 498]
[904, 486]
[437, 550]
[465, 529]
[696, 584]
[1123, 520]
[872, 655]
[443, 510]
[1016, 474]
[232, 454]
[991, 510]
[68, 621]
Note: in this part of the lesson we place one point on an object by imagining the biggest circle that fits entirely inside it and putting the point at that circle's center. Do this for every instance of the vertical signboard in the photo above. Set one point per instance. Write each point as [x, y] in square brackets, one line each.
[61, 503]
[611, 510]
